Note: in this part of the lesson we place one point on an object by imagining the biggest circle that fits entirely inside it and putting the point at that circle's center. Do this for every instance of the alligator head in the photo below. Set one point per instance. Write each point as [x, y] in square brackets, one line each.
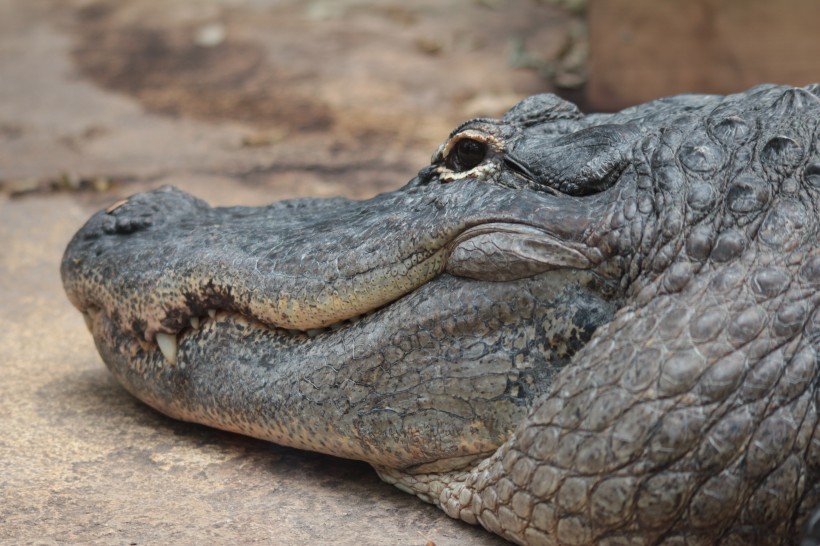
[571, 329]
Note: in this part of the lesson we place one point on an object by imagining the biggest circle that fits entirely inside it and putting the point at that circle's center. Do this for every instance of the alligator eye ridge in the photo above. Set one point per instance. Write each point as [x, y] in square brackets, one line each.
[467, 154]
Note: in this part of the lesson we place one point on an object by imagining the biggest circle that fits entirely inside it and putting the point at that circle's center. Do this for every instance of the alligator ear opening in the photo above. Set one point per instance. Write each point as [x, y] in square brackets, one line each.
[582, 163]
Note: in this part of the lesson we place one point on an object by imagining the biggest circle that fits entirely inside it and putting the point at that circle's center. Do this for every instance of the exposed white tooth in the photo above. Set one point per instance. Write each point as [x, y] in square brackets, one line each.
[168, 345]
[195, 323]
[314, 332]
[212, 313]
[87, 319]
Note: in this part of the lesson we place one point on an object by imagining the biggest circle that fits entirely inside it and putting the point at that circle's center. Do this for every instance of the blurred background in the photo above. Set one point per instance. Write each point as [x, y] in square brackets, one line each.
[331, 96]
[248, 102]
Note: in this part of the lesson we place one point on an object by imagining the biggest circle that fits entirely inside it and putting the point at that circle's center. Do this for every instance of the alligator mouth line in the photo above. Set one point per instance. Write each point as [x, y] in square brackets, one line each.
[168, 342]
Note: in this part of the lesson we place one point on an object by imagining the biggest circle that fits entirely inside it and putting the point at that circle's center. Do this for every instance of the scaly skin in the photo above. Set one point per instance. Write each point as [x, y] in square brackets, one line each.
[587, 329]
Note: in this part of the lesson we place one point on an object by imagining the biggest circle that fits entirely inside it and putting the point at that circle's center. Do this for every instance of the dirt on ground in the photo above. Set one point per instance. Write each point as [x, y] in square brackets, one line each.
[238, 102]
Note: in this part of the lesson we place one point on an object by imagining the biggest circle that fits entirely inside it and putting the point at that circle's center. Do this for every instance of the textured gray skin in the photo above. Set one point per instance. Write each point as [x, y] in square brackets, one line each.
[612, 337]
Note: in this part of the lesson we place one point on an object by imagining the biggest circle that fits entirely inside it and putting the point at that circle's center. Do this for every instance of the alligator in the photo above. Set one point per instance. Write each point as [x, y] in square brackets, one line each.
[571, 329]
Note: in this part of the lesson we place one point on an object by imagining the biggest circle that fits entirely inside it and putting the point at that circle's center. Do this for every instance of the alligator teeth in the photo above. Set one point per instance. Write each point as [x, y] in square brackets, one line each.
[195, 323]
[212, 313]
[168, 345]
[89, 315]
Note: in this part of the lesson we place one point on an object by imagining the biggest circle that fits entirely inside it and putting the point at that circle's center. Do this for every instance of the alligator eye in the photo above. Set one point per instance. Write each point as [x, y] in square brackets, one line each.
[467, 154]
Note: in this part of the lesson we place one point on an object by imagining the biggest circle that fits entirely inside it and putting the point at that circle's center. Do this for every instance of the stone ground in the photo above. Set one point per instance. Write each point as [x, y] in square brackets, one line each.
[239, 102]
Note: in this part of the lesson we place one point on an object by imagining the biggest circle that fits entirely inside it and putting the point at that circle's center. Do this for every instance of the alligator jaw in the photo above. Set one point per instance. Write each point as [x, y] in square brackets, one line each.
[205, 336]
[379, 389]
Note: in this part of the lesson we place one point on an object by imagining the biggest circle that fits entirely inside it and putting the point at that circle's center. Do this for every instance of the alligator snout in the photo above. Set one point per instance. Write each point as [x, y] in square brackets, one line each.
[274, 309]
